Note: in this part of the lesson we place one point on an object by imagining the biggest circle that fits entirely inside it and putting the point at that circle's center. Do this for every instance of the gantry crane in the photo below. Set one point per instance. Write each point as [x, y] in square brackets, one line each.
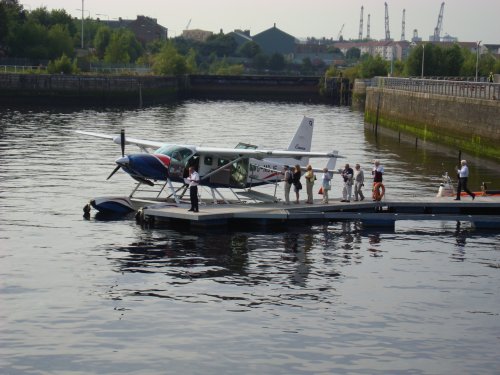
[339, 37]
[360, 36]
[403, 25]
[387, 31]
[437, 29]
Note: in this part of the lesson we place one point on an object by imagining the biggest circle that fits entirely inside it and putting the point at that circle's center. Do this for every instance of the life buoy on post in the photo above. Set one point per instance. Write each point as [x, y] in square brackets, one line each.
[378, 191]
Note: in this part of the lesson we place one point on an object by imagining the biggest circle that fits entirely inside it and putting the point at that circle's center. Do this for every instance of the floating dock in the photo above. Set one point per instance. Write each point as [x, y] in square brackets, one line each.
[483, 212]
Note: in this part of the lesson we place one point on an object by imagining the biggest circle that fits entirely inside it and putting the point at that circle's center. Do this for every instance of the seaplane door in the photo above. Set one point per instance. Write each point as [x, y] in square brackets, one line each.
[235, 175]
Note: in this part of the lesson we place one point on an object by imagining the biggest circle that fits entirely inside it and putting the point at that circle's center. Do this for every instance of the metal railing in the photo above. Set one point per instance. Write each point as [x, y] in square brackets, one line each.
[478, 90]
[21, 68]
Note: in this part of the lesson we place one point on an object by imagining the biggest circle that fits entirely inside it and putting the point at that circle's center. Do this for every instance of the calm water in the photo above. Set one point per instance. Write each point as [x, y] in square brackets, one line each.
[109, 297]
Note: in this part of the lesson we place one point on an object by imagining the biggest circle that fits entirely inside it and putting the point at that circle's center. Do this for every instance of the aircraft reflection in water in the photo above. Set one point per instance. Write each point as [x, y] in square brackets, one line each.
[242, 167]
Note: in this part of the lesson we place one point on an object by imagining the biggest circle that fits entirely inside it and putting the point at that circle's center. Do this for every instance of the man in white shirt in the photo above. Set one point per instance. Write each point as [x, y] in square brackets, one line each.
[194, 181]
[463, 176]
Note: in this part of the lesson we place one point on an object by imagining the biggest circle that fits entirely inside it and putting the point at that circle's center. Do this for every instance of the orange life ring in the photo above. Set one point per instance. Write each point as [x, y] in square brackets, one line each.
[378, 191]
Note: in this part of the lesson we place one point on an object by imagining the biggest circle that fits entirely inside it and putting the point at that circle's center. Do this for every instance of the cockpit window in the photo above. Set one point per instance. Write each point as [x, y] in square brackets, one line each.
[175, 152]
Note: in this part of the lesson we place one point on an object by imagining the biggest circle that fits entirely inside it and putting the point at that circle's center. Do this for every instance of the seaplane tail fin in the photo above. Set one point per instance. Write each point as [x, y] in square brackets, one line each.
[332, 161]
[302, 139]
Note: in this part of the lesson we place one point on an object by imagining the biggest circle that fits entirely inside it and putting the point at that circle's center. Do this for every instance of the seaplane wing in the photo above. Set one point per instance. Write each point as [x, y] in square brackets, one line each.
[142, 143]
[262, 153]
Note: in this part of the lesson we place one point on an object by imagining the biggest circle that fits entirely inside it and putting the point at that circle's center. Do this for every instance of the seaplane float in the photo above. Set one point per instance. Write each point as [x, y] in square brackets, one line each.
[239, 169]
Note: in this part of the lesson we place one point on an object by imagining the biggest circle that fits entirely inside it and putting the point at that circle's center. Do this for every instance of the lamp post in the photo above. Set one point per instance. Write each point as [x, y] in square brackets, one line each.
[82, 21]
[423, 58]
[88, 12]
[477, 58]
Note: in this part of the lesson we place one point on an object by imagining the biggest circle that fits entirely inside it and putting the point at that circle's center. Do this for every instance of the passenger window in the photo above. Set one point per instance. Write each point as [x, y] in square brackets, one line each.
[208, 160]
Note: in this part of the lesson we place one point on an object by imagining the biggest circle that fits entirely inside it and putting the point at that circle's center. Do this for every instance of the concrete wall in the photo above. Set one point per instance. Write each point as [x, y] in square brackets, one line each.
[42, 88]
[469, 124]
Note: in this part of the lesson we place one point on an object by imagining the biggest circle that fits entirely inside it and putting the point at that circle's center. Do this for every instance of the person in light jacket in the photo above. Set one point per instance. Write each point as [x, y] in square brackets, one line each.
[310, 177]
[359, 182]
[326, 179]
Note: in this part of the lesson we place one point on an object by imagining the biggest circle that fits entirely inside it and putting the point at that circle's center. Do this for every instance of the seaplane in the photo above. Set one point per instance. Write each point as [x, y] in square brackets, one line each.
[241, 168]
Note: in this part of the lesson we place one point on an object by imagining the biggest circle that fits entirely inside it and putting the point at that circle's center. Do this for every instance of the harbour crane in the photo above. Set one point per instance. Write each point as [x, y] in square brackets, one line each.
[403, 25]
[368, 28]
[360, 36]
[339, 37]
[387, 31]
[437, 30]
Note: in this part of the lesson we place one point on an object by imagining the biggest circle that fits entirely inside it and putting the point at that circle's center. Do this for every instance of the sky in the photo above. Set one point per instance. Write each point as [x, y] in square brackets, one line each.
[468, 20]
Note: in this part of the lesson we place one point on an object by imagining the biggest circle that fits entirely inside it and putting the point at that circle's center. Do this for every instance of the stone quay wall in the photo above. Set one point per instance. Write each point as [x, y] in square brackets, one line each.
[130, 90]
[47, 88]
[468, 122]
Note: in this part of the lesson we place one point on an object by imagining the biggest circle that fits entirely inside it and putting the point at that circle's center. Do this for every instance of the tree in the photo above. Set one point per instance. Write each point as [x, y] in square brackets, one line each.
[453, 60]
[59, 41]
[101, 40]
[62, 65]
[222, 45]
[117, 50]
[11, 13]
[372, 67]
[260, 61]
[123, 47]
[307, 66]
[277, 62]
[29, 40]
[169, 62]
[353, 53]
[249, 49]
[486, 64]
[191, 65]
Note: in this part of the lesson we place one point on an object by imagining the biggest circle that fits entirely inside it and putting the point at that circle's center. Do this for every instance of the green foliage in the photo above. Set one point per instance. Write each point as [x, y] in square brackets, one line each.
[59, 42]
[373, 66]
[353, 53]
[29, 40]
[277, 62]
[486, 64]
[260, 61]
[221, 45]
[352, 73]
[169, 62]
[191, 64]
[249, 49]
[332, 71]
[101, 40]
[62, 65]
[222, 67]
[117, 50]
[122, 48]
[496, 67]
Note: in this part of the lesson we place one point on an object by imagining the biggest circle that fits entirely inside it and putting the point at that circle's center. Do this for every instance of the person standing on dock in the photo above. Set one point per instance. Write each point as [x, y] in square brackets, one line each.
[194, 181]
[326, 184]
[359, 182]
[297, 186]
[310, 177]
[288, 179]
[463, 176]
[378, 187]
[347, 175]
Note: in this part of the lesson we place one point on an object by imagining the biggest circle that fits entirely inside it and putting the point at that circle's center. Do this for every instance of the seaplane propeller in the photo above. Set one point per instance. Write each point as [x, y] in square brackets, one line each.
[122, 145]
